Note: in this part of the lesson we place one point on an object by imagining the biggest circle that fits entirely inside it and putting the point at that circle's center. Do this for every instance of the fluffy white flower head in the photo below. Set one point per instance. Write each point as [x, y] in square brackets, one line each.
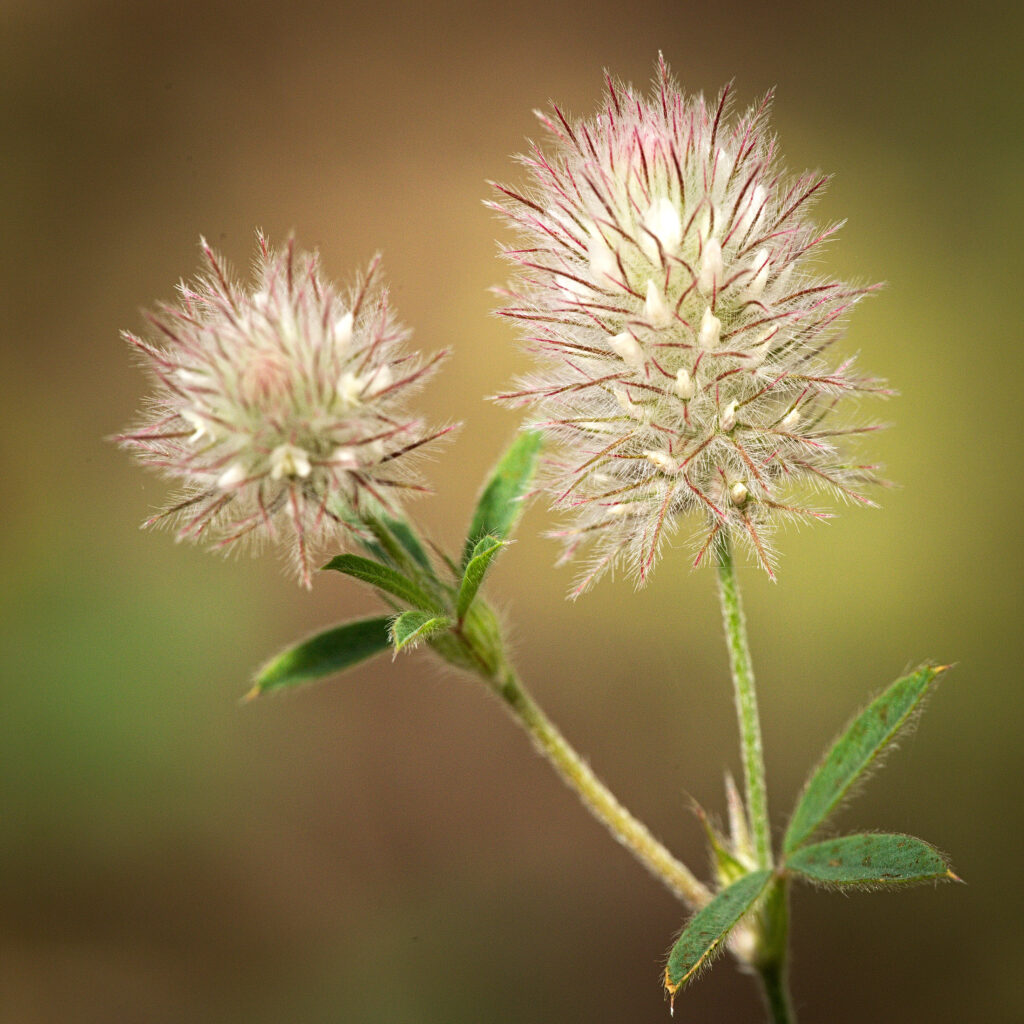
[279, 405]
[667, 291]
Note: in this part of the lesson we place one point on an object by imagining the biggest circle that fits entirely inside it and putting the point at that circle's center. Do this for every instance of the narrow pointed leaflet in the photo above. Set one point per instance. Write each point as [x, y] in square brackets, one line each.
[323, 654]
[870, 860]
[855, 751]
[384, 578]
[406, 536]
[476, 568]
[708, 929]
[501, 501]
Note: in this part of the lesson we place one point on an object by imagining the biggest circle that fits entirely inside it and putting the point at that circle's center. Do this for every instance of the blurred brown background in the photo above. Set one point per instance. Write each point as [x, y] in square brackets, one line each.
[387, 848]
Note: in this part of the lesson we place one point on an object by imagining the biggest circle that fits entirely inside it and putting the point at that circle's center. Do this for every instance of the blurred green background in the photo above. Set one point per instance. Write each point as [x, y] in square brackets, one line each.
[387, 848]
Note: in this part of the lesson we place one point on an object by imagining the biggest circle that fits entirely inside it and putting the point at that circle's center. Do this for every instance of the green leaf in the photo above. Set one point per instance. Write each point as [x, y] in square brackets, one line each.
[406, 536]
[385, 538]
[728, 867]
[853, 753]
[870, 860]
[382, 577]
[702, 938]
[500, 503]
[411, 628]
[323, 654]
[739, 828]
[361, 533]
[476, 569]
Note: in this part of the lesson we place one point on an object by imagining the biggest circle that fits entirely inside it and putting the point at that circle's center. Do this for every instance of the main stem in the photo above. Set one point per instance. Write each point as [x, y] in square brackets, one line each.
[775, 987]
[773, 916]
[746, 701]
[596, 796]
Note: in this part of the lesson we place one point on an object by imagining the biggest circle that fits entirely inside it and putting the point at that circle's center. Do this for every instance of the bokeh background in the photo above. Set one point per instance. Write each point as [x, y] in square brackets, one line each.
[387, 848]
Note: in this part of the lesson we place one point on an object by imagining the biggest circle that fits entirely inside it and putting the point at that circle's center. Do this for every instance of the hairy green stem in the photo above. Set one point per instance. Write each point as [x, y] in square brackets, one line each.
[775, 989]
[771, 959]
[596, 796]
[746, 701]
[773, 917]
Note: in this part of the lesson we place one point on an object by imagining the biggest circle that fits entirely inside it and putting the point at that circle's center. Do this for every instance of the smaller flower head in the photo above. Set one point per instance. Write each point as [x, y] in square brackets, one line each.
[279, 406]
[668, 287]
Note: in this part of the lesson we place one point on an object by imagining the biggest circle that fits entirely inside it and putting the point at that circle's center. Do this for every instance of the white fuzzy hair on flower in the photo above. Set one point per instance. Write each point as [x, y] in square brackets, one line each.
[666, 287]
[279, 405]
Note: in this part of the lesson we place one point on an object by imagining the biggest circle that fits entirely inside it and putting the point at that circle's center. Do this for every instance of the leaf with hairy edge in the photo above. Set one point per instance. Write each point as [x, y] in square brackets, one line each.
[412, 628]
[853, 753]
[500, 504]
[708, 929]
[870, 860]
[476, 569]
[382, 577]
[323, 654]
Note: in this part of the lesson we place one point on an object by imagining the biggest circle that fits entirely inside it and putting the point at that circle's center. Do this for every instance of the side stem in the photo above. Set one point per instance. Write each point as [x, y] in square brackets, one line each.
[746, 701]
[596, 796]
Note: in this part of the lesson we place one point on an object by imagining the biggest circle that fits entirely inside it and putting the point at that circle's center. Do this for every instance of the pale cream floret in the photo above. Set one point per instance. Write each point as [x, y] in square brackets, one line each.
[759, 350]
[627, 348]
[728, 418]
[790, 420]
[343, 330]
[379, 380]
[193, 378]
[655, 308]
[661, 220]
[759, 270]
[663, 461]
[738, 493]
[344, 458]
[723, 168]
[751, 213]
[631, 408]
[710, 330]
[350, 389]
[232, 477]
[286, 460]
[604, 266]
[685, 387]
[709, 214]
[711, 267]
[201, 426]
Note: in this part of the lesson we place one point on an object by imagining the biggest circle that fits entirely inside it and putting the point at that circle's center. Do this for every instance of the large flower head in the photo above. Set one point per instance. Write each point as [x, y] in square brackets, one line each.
[279, 405]
[667, 287]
